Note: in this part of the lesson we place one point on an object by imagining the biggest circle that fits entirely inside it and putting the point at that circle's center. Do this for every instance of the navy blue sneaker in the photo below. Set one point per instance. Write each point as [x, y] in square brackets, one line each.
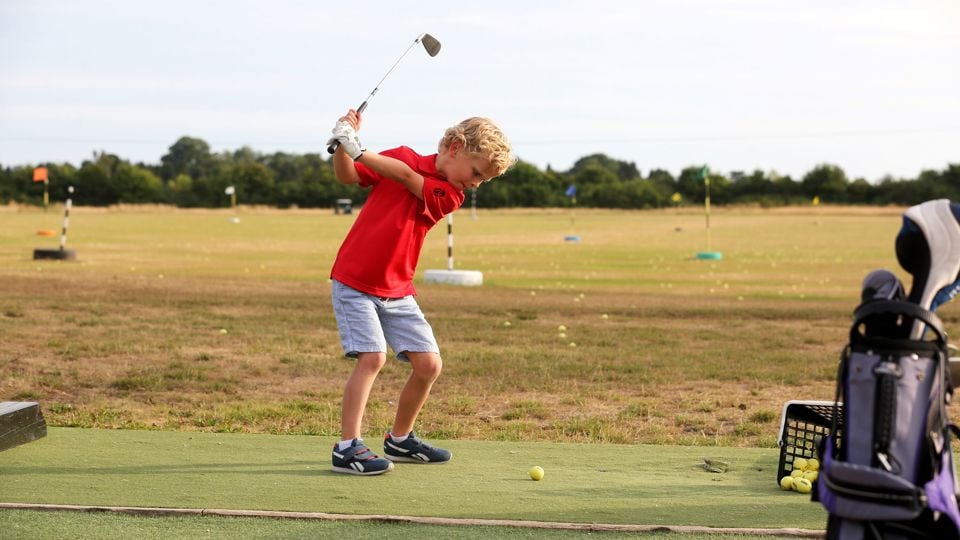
[358, 459]
[413, 450]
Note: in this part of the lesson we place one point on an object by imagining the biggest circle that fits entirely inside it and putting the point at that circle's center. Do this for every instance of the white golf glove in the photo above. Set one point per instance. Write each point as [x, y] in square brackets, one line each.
[348, 139]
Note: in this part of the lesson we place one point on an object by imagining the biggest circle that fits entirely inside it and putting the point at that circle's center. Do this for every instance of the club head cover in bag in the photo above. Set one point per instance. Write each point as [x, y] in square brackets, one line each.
[928, 247]
[882, 285]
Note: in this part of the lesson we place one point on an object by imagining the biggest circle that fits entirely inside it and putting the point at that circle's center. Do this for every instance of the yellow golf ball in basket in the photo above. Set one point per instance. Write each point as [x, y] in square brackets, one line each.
[536, 473]
[786, 483]
[813, 464]
[802, 485]
[800, 464]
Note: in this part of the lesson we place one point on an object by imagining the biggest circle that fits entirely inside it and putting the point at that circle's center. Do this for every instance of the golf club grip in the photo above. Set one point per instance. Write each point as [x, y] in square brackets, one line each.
[336, 144]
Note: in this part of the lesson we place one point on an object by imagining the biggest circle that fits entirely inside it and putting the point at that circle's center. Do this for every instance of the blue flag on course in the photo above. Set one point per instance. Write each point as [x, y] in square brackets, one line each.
[571, 191]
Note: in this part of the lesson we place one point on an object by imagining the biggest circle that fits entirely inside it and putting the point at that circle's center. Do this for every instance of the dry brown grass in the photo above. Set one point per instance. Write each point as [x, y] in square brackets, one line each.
[141, 353]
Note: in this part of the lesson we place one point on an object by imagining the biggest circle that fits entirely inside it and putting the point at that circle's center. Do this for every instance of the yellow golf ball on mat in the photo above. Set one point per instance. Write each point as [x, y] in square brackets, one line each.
[536, 473]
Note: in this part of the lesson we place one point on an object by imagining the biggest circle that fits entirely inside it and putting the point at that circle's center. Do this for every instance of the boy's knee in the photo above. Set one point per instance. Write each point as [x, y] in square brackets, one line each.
[426, 365]
[371, 361]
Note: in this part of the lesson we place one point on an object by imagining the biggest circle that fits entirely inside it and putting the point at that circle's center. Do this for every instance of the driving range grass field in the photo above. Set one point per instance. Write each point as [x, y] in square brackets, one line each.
[182, 320]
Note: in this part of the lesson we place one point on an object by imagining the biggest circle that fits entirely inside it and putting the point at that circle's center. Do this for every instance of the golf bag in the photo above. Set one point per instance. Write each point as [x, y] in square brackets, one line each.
[889, 475]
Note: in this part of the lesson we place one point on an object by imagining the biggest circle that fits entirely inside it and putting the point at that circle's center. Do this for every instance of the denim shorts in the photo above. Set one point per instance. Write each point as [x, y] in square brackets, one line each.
[368, 323]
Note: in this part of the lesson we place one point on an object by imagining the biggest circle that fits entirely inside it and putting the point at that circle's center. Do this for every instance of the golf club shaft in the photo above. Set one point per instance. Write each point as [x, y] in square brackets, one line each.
[333, 147]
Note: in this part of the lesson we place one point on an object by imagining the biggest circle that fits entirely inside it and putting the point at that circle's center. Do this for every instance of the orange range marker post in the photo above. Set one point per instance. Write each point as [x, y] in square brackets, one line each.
[40, 175]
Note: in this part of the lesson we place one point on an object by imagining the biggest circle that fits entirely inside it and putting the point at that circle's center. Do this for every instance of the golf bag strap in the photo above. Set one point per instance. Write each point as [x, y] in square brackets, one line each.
[893, 307]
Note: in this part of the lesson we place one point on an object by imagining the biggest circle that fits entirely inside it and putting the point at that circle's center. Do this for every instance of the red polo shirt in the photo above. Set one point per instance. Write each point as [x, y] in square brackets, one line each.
[380, 253]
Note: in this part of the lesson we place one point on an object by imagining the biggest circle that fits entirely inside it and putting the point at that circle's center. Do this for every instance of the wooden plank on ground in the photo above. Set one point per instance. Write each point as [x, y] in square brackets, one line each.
[20, 423]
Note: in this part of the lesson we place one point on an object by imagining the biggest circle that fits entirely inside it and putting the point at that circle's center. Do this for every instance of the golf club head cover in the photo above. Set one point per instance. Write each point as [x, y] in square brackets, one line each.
[928, 247]
[882, 285]
[348, 139]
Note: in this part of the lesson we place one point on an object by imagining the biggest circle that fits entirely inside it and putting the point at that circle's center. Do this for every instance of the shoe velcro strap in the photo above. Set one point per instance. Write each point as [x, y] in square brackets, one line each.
[359, 452]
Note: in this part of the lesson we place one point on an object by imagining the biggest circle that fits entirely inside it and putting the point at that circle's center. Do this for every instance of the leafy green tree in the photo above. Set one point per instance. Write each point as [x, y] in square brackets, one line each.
[190, 175]
[951, 178]
[860, 192]
[755, 187]
[180, 191]
[663, 183]
[94, 186]
[209, 189]
[690, 184]
[787, 188]
[594, 182]
[629, 195]
[255, 182]
[189, 156]
[133, 184]
[62, 176]
[522, 185]
[939, 185]
[623, 170]
[8, 191]
[826, 181]
[15, 185]
[893, 191]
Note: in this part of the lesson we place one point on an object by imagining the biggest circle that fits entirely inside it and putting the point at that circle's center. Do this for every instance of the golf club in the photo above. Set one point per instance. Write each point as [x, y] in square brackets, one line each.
[430, 44]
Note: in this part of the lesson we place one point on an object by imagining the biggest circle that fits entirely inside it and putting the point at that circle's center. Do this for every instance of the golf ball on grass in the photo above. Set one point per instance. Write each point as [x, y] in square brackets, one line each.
[536, 473]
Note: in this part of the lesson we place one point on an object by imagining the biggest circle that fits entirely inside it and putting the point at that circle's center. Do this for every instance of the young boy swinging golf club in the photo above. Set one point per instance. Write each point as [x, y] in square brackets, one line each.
[373, 292]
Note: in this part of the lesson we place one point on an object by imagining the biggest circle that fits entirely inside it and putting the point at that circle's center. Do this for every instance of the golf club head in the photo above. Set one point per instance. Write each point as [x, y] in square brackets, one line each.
[430, 43]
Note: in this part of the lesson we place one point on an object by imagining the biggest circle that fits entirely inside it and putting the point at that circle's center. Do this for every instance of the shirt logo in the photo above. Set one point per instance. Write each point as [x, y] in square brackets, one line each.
[439, 192]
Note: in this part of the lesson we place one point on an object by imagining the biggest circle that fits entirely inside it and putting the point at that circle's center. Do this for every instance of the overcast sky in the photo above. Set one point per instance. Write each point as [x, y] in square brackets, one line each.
[872, 86]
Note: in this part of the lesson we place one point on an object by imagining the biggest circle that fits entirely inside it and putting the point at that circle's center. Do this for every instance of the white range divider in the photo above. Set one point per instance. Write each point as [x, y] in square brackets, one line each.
[467, 278]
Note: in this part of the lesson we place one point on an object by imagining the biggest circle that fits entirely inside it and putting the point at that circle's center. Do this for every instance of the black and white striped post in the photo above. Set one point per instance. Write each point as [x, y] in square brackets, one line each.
[450, 241]
[63, 253]
[66, 218]
[451, 276]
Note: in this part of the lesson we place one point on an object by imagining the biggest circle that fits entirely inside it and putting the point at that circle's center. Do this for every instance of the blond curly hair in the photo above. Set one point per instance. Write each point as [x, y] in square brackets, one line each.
[480, 136]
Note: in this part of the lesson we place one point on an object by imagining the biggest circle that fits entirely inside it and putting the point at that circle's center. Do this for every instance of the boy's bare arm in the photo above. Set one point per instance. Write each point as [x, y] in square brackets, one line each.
[391, 168]
[395, 170]
[343, 168]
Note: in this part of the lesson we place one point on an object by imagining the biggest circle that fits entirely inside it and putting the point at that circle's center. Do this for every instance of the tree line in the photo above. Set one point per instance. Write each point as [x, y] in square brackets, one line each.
[190, 175]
